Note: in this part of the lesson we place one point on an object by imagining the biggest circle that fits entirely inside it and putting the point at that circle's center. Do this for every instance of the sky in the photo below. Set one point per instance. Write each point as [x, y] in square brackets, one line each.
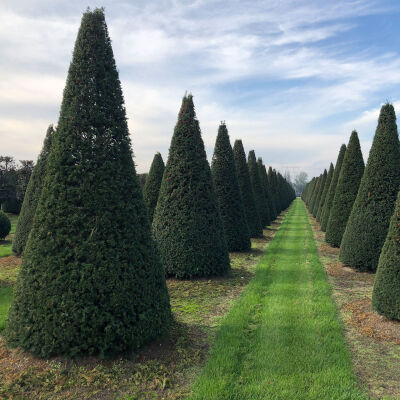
[291, 78]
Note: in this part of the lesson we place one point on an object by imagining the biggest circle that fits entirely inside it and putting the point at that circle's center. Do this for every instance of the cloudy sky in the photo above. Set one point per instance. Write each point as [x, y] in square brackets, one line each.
[291, 78]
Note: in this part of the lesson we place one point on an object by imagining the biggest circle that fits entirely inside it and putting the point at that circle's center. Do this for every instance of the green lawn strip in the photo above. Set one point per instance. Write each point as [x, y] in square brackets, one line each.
[6, 294]
[282, 338]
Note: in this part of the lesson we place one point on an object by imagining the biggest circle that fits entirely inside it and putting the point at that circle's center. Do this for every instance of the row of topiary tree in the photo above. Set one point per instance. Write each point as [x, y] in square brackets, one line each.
[360, 213]
[92, 279]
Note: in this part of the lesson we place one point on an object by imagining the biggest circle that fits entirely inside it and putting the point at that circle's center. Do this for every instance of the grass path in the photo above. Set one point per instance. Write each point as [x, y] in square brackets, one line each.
[282, 338]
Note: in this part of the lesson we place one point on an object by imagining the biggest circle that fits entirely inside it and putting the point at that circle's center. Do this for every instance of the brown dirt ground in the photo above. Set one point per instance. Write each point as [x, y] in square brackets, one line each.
[372, 339]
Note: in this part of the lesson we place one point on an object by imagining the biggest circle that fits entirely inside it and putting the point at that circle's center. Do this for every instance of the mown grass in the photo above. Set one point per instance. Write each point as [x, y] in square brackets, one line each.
[6, 295]
[282, 338]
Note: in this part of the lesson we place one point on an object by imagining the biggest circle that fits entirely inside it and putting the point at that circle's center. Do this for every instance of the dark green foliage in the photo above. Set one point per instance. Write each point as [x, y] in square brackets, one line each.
[187, 223]
[369, 220]
[346, 191]
[325, 191]
[319, 194]
[32, 196]
[266, 188]
[152, 186]
[11, 206]
[228, 194]
[272, 190]
[246, 190]
[386, 294]
[314, 195]
[91, 280]
[259, 195]
[332, 188]
[5, 225]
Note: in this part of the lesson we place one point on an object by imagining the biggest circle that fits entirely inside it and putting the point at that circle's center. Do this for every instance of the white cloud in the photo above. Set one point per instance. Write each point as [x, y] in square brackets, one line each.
[262, 66]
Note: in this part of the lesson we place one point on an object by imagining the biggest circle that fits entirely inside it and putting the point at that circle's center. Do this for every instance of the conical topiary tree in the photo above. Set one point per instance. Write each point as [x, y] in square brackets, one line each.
[325, 192]
[346, 191]
[369, 220]
[314, 196]
[91, 280]
[386, 294]
[319, 194]
[259, 195]
[152, 185]
[332, 188]
[32, 194]
[272, 190]
[246, 190]
[187, 223]
[228, 193]
[264, 181]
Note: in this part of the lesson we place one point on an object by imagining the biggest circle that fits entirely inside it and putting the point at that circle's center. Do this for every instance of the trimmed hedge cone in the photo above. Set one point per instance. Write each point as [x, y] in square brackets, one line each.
[228, 193]
[259, 195]
[187, 223]
[91, 280]
[325, 192]
[369, 220]
[319, 194]
[332, 188]
[152, 185]
[246, 190]
[386, 294]
[346, 191]
[32, 195]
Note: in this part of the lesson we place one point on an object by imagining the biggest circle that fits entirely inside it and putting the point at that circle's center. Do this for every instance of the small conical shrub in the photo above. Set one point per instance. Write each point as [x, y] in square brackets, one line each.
[152, 185]
[314, 196]
[91, 281]
[187, 223]
[228, 193]
[32, 196]
[325, 192]
[346, 191]
[259, 195]
[267, 191]
[369, 220]
[5, 225]
[246, 190]
[332, 188]
[386, 294]
[272, 190]
[319, 194]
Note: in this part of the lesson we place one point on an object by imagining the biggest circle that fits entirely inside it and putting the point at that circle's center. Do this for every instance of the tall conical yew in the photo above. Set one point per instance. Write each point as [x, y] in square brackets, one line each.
[369, 220]
[314, 195]
[228, 193]
[272, 189]
[258, 189]
[332, 188]
[319, 194]
[152, 185]
[187, 223]
[268, 196]
[91, 280]
[32, 196]
[325, 192]
[386, 294]
[246, 190]
[346, 191]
